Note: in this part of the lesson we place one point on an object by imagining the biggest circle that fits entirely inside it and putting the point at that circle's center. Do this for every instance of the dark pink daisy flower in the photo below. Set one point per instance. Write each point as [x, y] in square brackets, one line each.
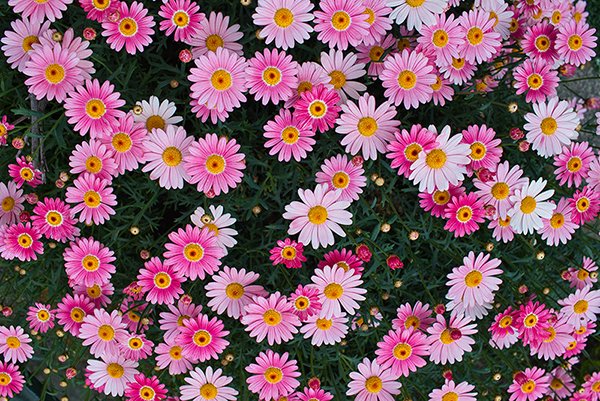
[318, 107]
[144, 388]
[305, 301]
[93, 198]
[404, 150]
[289, 253]
[532, 323]
[480, 41]
[11, 380]
[55, 220]
[182, 19]
[202, 339]
[504, 332]
[575, 43]
[464, 214]
[94, 158]
[573, 164]
[539, 42]
[585, 205]
[132, 30]
[273, 375]
[485, 147]
[271, 76]
[71, 311]
[529, 385]
[339, 173]
[344, 259]
[25, 172]
[436, 201]
[288, 137]
[161, 283]
[40, 317]
[21, 241]
[125, 139]
[537, 79]
[88, 262]
[402, 351]
[341, 23]
[408, 77]
[136, 347]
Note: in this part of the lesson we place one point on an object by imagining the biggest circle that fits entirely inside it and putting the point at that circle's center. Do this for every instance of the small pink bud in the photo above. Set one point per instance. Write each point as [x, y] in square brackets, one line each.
[32, 198]
[520, 378]
[485, 175]
[394, 262]
[210, 194]
[7, 311]
[455, 334]
[186, 299]
[71, 373]
[357, 161]
[592, 103]
[114, 17]
[18, 143]
[59, 184]
[89, 33]
[314, 383]
[490, 210]
[447, 374]
[62, 358]
[185, 56]
[568, 70]
[24, 216]
[523, 146]
[516, 134]
[439, 309]
[364, 253]
[523, 289]
[565, 275]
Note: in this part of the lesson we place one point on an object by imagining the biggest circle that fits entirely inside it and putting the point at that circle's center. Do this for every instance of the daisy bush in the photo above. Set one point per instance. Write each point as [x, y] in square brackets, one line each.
[299, 200]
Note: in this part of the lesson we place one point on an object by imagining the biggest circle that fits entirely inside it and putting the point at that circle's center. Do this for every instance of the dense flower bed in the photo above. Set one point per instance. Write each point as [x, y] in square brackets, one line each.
[298, 200]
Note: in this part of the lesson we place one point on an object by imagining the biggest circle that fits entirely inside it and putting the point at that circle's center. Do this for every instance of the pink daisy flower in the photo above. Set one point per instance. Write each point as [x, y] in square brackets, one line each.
[539, 42]
[305, 301]
[164, 155]
[573, 164]
[417, 317]
[93, 108]
[284, 21]
[25, 172]
[74, 44]
[485, 149]
[448, 341]
[464, 214]
[93, 198]
[55, 220]
[160, 283]
[88, 262]
[442, 166]
[209, 385]
[219, 80]
[437, 201]
[231, 290]
[343, 72]
[459, 72]
[481, 42]
[193, 252]
[272, 318]
[132, 30]
[169, 355]
[442, 91]
[375, 54]
[373, 383]
[504, 332]
[451, 391]
[536, 79]
[310, 74]
[216, 33]
[341, 23]
[11, 380]
[408, 77]
[532, 322]
[14, 344]
[203, 113]
[592, 386]
[500, 188]
[310, 394]
[71, 311]
[136, 347]
[143, 388]
[340, 173]
[288, 252]
[561, 383]
[181, 18]
[271, 76]
[99, 10]
[575, 43]
[325, 331]
[442, 39]
[558, 228]
[559, 337]
[338, 289]
[502, 229]
[215, 164]
[320, 214]
[273, 375]
[94, 158]
[5, 127]
[19, 43]
[171, 321]
[21, 241]
[581, 307]
[416, 13]
[111, 374]
[366, 128]
[102, 332]
[344, 259]
[583, 277]
[125, 140]
[404, 150]
[402, 351]
[529, 385]
[40, 317]
[318, 107]
[585, 205]
[98, 294]
[379, 21]
[219, 222]
[287, 137]
[202, 339]
[38, 11]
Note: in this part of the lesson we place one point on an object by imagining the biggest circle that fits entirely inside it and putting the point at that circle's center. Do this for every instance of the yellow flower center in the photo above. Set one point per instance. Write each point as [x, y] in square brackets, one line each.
[440, 38]
[583, 274]
[337, 79]
[147, 393]
[90, 263]
[475, 36]
[273, 375]
[367, 126]
[340, 20]
[93, 164]
[5, 379]
[333, 291]
[283, 17]
[436, 159]
[13, 342]
[8, 203]
[202, 338]
[402, 351]
[574, 164]
[528, 205]
[596, 386]
[213, 42]
[271, 76]
[415, 3]
[92, 199]
[29, 41]
[155, 121]
[494, 16]
[458, 63]
[215, 164]
[412, 151]
[175, 353]
[500, 190]
[505, 322]
[115, 370]
[128, 27]
[371, 16]
[181, 19]
[234, 290]
[535, 81]
[54, 218]
[95, 108]
[583, 204]
[441, 197]
[43, 315]
[580, 306]
[556, 384]
[473, 278]
[94, 291]
[288, 252]
[412, 321]
[55, 73]
[446, 337]
[557, 220]
[172, 156]
[100, 4]
[121, 142]
[450, 396]
[317, 215]
[25, 240]
[577, 16]
[374, 384]
[575, 42]
[301, 303]
[530, 320]
[464, 214]
[403, 43]
[317, 109]
[551, 336]
[407, 79]
[478, 151]
[135, 343]
[542, 43]
[528, 386]
[106, 332]
[375, 53]
[324, 324]
[272, 317]
[290, 135]
[26, 173]
[162, 280]
[77, 314]
[340, 180]
[438, 84]
[221, 80]
[208, 391]
[193, 252]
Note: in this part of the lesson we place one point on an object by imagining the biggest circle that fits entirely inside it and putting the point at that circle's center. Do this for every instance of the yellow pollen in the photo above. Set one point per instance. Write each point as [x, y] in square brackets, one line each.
[415, 3]
[580, 306]
[583, 204]
[115, 370]
[557, 220]
[128, 27]
[202, 338]
[55, 73]
[542, 43]
[412, 151]
[101, 4]
[181, 19]
[367, 126]
[273, 375]
[530, 320]
[215, 164]
[575, 42]
[94, 291]
[5, 379]
[290, 135]
[272, 317]
[271, 76]
[402, 351]
[324, 324]
[288, 252]
[374, 384]
[162, 280]
[475, 36]
[90, 263]
[193, 252]
[340, 20]
[93, 164]
[464, 214]
[155, 121]
[440, 38]
[13, 342]
[375, 53]
[25, 240]
[574, 164]
[340, 180]
[436, 159]
[213, 42]
[337, 79]
[283, 17]
[333, 291]
[407, 79]
[172, 156]
[106, 332]
[528, 386]
[77, 315]
[121, 142]
[301, 303]
[535, 81]
[473, 278]
[458, 63]
[441, 197]
[371, 16]
[450, 396]
[500, 190]
[304, 86]
[135, 343]
[147, 393]
[552, 334]
[8, 203]
[26, 173]
[234, 290]
[317, 215]
[412, 321]
[175, 353]
[505, 322]
[43, 315]
[478, 151]
[208, 391]
[317, 109]
[446, 337]
[221, 80]
[92, 199]
[29, 41]
[95, 108]
[528, 205]
[438, 83]
[54, 218]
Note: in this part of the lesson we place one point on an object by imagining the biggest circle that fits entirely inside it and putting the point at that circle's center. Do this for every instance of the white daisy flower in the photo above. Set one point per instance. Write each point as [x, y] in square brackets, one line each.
[219, 223]
[157, 114]
[530, 206]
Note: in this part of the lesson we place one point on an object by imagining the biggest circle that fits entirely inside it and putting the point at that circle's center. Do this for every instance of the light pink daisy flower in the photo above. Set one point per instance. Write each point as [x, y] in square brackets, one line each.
[343, 72]
[532, 321]
[98, 294]
[132, 30]
[21, 241]
[125, 139]
[287, 137]
[55, 220]
[504, 332]
[408, 77]
[581, 307]
[559, 337]
[325, 331]
[14, 344]
[13, 380]
[19, 42]
[459, 72]
[93, 198]
[529, 385]
[575, 43]
[485, 149]
[215, 164]
[497, 191]
[375, 54]
[379, 21]
[272, 318]
[208, 385]
[338, 289]
[561, 383]
[216, 33]
[402, 351]
[341, 23]
[373, 383]
[53, 72]
[193, 252]
[502, 229]
[203, 113]
[318, 107]
[136, 347]
[451, 391]
[442, 166]
[340, 173]
[530, 206]
[171, 321]
[94, 158]
[71, 311]
[481, 42]
[539, 42]
[591, 386]
[168, 355]
[310, 74]
[40, 317]
[305, 301]
[558, 228]
[448, 341]
[289, 253]
[38, 11]
[442, 91]
[160, 283]
[219, 80]
[416, 13]
[464, 214]
[88, 262]
[271, 76]
[417, 317]
[537, 79]
[284, 21]
[320, 214]
[99, 10]
[366, 128]
[404, 150]
[102, 332]
[143, 388]
[441, 39]
[111, 373]
[273, 375]
[202, 339]
[573, 164]
[75, 44]
[182, 19]
[93, 108]
[164, 155]
[231, 290]
[585, 205]
[24, 171]
[583, 277]
[437, 201]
